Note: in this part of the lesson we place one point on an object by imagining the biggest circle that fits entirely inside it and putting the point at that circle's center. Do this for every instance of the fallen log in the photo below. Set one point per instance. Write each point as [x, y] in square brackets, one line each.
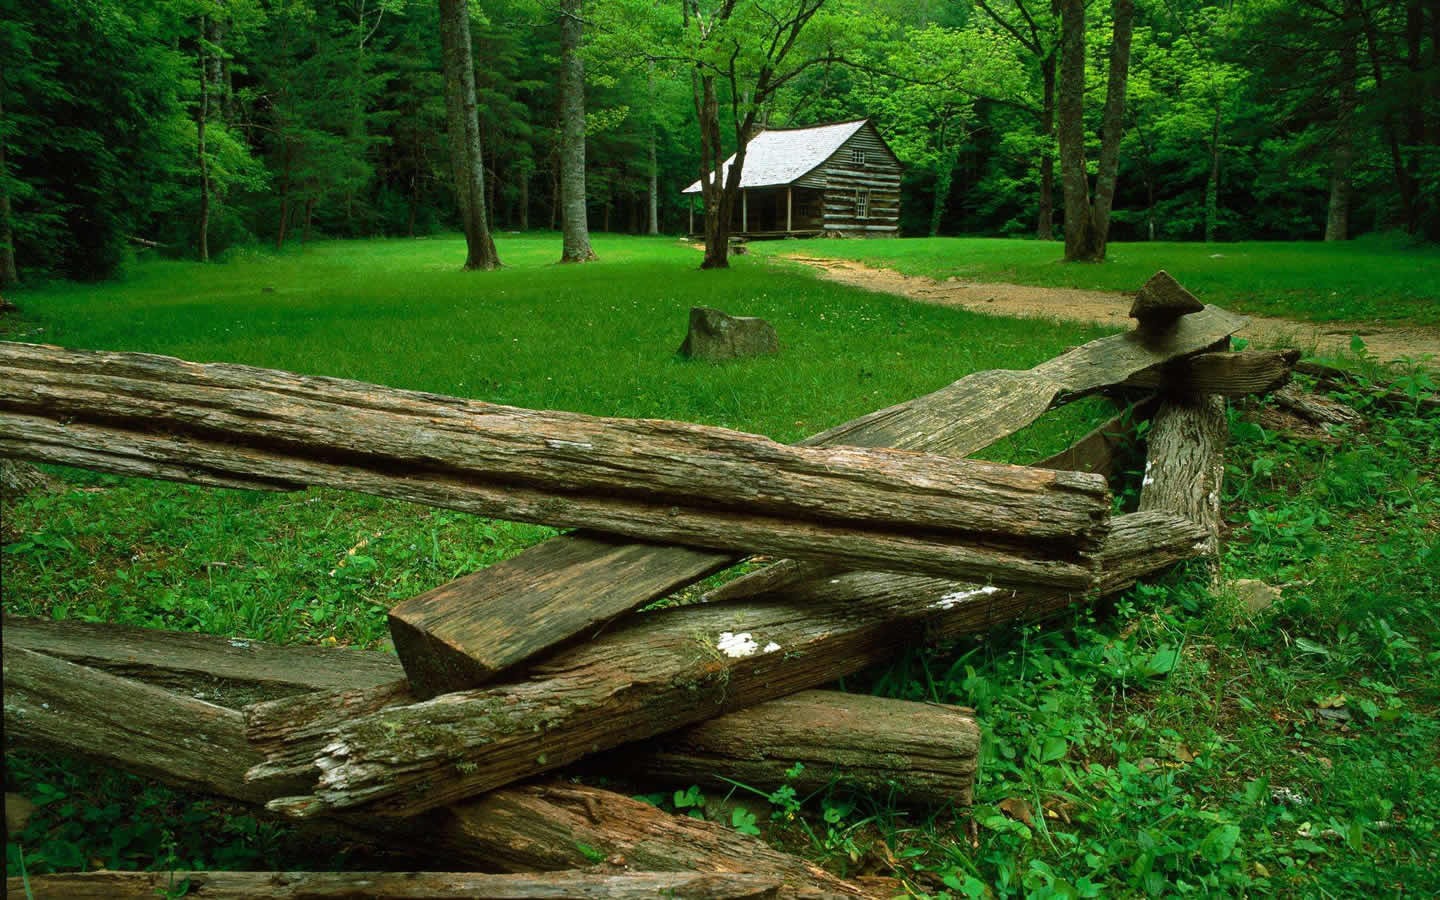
[654, 673]
[146, 729]
[1332, 378]
[918, 754]
[1317, 408]
[670, 482]
[1095, 452]
[228, 671]
[176, 740]
[211, 885]
[465, 633]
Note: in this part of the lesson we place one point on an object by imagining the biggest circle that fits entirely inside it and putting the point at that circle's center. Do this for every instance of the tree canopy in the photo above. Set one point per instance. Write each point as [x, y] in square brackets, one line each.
[202, 125]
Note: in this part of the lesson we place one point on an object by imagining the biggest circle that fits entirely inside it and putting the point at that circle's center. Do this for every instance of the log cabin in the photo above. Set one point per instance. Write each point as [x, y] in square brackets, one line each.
[834, 180]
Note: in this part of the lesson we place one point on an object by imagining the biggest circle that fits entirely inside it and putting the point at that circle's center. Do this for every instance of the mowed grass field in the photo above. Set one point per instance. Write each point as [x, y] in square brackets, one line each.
[1167, 741]
[1374, 279]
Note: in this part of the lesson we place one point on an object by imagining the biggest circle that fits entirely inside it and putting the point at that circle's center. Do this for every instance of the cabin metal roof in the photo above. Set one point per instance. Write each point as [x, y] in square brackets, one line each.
[784, 155]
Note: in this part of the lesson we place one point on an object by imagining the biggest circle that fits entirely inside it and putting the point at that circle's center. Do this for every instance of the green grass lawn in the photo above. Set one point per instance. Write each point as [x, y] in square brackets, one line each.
[1165, 743]
[1366, 280]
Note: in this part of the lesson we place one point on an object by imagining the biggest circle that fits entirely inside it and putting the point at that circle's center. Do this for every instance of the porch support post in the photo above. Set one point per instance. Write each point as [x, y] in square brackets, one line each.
[788, 207]
[691, 208]
[744, 210]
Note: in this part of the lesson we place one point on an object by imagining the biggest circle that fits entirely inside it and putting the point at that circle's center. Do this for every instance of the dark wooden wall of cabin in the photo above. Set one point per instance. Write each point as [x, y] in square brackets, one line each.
[845, 180]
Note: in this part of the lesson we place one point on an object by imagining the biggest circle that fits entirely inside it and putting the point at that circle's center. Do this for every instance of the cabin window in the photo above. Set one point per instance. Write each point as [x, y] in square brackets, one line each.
[857, 157]
[862, 204]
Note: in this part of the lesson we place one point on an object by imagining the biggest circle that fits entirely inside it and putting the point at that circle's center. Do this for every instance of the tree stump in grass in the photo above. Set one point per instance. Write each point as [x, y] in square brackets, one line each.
[715, 335]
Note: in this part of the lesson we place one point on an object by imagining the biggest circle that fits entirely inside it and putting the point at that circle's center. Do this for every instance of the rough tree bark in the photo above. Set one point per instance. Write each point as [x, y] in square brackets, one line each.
[918, 754]
[202, 115]
[546, 826]
[9, 275]
[1087, 217]
[1337, 218]
[574, 230]
[466, 158]
[1045, 227]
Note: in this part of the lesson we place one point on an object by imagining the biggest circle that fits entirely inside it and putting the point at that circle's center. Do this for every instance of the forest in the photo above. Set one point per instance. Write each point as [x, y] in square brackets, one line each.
[194, 127]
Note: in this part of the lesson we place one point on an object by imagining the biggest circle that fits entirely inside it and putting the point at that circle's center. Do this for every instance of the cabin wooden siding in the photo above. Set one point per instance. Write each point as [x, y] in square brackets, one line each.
[845, 182]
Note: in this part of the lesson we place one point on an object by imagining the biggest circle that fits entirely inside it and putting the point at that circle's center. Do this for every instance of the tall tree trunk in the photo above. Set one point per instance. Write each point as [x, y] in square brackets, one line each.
[1212, 184]
[1045, 227]
[653, 223]
[1087, 220]
[1337, 221]
[1113, 119]
[201, 117]
[309, 213]
[1404, 185]
[466, 158]
[944, 178]
[719, 203]
[1080, 239]
[284, 192]
[574, 231]
[525, 197]
[9, 275]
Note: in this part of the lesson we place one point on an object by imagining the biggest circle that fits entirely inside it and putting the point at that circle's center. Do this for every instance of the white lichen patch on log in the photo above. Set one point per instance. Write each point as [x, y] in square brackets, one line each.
[957, 597]
[737, 646]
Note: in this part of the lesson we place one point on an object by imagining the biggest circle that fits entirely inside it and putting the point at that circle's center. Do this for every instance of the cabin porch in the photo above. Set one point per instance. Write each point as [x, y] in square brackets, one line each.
[772, 212]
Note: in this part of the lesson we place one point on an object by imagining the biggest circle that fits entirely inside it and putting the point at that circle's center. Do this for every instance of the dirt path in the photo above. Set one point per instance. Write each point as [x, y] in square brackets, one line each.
[1106, 308]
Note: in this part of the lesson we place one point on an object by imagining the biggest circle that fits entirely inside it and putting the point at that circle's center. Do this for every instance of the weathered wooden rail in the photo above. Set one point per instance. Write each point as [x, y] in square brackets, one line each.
[892, 537]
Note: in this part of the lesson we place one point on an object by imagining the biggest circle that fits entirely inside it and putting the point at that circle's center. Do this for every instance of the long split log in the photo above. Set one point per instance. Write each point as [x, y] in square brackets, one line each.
[1095, 452]
[917, 754]
[671, 482]
[59, 706]
[466, 632]
[653, 673]
[921, 753]
[148, 730]
[228, 671]
[574, 885]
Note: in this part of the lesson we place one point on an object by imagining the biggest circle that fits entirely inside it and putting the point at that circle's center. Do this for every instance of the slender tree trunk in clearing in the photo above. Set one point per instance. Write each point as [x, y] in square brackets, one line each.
[1113, 120]
[1045, 228]
[944, 178]
[1080, 240]
[575, 231]
[466, 157]
[719, 203]
[1087, 220]
[309, 212]
[653, 224]
[1212, 184]
[1337, 221]
[525, 197]
[653, 221]
[284, 192]
[204, 113]
[8, 273]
